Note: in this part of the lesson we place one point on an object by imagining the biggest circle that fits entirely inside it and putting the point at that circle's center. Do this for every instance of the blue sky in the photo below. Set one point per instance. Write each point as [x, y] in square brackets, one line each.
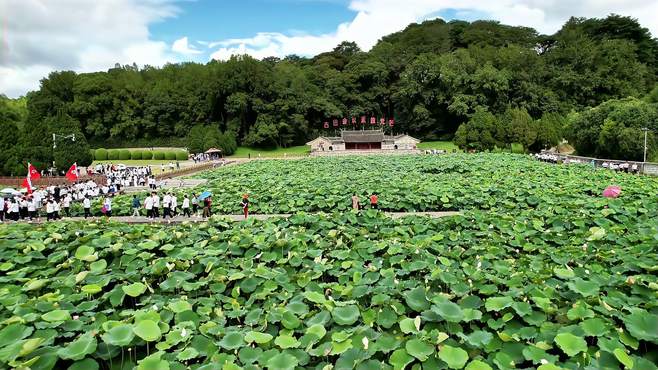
[41, 36]
[209, 20]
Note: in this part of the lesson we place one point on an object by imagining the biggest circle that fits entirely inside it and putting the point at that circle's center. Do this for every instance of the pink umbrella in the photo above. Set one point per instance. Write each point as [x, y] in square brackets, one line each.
[612, 191]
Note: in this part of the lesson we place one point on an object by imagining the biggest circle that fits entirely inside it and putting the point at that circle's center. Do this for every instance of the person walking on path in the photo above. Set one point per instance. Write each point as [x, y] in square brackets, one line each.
[57, 205]
[136, 206]
[195, 204]
[174, 205]
[86, 205]
[245, 205]
[50, 209]
[66, 204]
[186, 206]
[3, 204]
[32, 209]
[156, 205]
[166, 206]
[355, 202]
[148, 205]
[107, 204]
[207, 203]
[373, 201]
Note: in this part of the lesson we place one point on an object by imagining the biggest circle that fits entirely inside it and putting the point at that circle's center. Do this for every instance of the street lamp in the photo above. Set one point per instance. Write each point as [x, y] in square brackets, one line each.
[64, 137]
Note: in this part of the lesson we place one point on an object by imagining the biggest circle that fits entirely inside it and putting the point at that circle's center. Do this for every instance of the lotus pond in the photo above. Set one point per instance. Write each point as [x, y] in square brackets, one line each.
[408, 183]
[537, 284]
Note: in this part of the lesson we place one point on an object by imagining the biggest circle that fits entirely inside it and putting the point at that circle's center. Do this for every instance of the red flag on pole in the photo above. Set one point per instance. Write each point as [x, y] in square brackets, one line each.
[72, 173]
[27, 181]
[32, 172]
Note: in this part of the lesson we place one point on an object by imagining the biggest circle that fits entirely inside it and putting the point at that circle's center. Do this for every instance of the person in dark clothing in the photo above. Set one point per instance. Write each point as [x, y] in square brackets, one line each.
[136, 206]
[207, 204]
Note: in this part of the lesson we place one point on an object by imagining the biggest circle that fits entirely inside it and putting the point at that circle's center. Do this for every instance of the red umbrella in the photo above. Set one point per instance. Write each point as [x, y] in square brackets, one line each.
[612, 191]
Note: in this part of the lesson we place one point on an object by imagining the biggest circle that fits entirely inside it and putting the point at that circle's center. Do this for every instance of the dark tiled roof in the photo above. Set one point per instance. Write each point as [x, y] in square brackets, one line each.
[363, 136]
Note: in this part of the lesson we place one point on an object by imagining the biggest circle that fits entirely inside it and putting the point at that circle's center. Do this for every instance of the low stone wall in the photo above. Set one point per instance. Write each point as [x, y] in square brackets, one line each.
[16, 182]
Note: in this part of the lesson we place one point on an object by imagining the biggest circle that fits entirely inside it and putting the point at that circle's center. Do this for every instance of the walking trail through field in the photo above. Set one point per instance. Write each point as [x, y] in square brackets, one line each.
[195, 219]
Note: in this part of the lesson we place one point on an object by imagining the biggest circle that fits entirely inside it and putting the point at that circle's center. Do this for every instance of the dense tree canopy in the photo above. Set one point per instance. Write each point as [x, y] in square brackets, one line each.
[431, 77]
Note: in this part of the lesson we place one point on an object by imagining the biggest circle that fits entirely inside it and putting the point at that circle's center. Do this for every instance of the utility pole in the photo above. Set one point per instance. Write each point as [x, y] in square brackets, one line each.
[646, 131]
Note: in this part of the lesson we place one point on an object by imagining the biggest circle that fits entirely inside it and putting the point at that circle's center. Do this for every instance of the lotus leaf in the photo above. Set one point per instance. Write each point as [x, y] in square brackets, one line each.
[455, 357]
[134, 289]
[346, 315]
[570, 344]
[120, 335]
[147, 330]
[79, 348]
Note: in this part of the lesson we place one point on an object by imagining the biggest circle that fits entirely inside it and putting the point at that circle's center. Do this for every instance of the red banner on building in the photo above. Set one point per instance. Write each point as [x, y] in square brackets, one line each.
[326, 124]
[354, 120]
[391, 122]
[335, 122]
[344, 121]
[382, 121]
[373, 120]
[363, 120]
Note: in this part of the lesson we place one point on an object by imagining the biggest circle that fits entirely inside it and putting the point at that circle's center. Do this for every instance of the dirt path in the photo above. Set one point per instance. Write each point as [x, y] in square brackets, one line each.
[181, 219]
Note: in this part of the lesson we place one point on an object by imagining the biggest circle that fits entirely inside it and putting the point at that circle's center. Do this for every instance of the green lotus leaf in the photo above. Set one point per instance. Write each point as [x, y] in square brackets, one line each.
[153, 362]
[86, 364]
[584, 287]
[408, 325]
[400, 359]
[147, 330]
[549, 367]
[315, 297]
[455, 357]
[286, 341]
[91, 289]
[479, 338]
[56, 315]
[134, 289]
[84, 253]
[79, 348]
[187, 354]
[595, 327]
[478, 365]
[249, 355]
[13, 333]
[419, 349]
[416, 299]
[346, 315]
[282, 361]
[498, 303]
[449, 311]
[317, 331]
[624, 358]
[596, 233]
[642, 325]
[179, 306]
[35, 284]
[232, 340]
[570, 344]
[98, 266]
[258, 337]
[120, 335]
[564, 273]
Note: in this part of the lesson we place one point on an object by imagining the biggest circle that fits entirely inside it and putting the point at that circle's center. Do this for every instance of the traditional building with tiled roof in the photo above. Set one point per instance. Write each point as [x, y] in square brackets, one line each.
[363, 140]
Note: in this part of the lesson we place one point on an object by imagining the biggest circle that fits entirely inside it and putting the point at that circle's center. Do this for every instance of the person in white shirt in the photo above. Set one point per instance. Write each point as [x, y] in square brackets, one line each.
[3, 201]
[86, 204]
[166, 206]
[174, 205]
[15, 210]
[57, 206]
[50, 209]
[156, 205]
[66, 204]
[186, 206]
[32, 209]
[148, 205]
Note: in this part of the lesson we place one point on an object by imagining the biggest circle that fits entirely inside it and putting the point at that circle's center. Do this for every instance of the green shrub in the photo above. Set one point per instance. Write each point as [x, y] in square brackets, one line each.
[181, 155]
[113, 154]
[159, 155]
[100, 154]
[135, 154]
[517, 148]
[124, 154]
[92, 154]
[147, 154]
[170, 155]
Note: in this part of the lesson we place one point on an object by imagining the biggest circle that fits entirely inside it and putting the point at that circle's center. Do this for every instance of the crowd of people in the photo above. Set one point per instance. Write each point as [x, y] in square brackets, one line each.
[615, 166]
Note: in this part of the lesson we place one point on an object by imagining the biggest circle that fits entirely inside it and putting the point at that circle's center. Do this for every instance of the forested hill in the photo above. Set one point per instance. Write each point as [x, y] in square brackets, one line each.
[430, 77]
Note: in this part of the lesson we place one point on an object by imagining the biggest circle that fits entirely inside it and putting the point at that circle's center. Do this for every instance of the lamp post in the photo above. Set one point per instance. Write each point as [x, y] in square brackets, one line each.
[646, 131]
[64, 137]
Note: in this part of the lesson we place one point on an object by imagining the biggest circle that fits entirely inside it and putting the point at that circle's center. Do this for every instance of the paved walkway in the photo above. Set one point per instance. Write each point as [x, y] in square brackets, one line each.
[181, 219]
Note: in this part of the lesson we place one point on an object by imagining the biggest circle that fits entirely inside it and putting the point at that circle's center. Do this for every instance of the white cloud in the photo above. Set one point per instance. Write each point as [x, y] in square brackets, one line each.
[41, 36]
[181, 46]
[377, 18]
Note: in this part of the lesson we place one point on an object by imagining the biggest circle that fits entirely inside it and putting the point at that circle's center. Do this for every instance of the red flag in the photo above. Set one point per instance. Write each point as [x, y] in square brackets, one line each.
[27, 184]
[32, 172]
[72, 173]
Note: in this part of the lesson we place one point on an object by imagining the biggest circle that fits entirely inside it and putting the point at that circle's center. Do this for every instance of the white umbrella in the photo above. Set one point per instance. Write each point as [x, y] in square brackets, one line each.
[10, 191]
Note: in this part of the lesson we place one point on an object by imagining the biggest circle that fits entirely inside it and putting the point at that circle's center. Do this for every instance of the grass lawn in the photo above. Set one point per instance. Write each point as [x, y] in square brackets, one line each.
[154, 163]
[438, 145]
[244, 152]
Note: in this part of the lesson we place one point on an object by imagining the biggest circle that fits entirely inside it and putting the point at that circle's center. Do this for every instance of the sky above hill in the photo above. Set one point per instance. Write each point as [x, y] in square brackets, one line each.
[40, 36]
